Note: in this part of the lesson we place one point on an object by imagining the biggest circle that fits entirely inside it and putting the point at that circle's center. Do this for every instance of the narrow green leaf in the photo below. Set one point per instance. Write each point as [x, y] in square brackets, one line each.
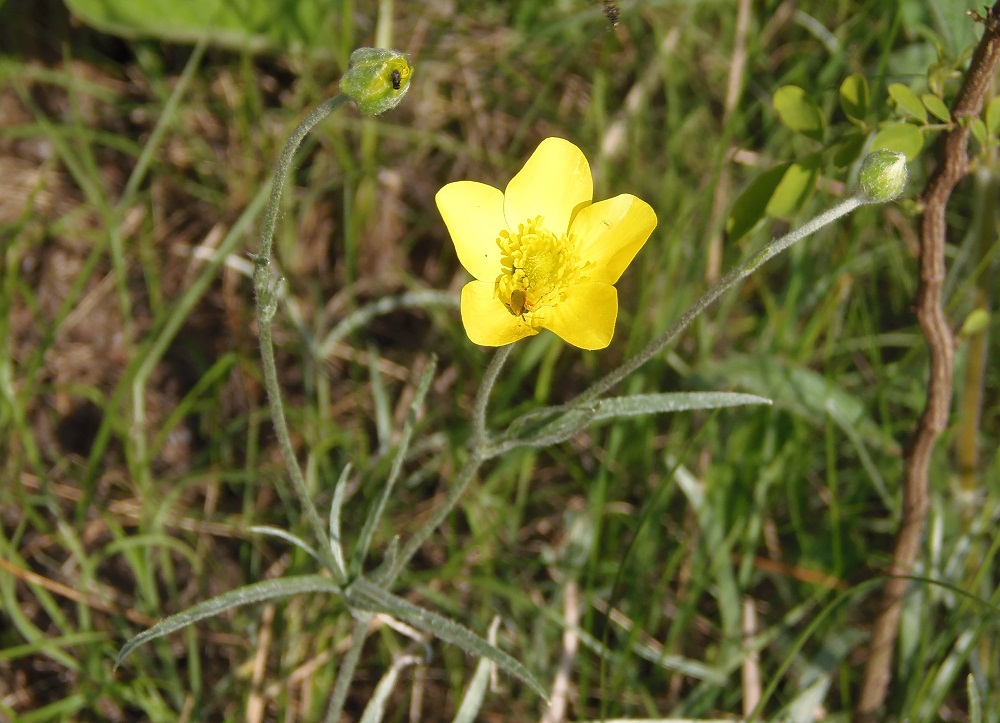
[799, 112]
[44, 645]
[364, 595]
[640, 404]
[936, 106]
[562, 428]
[371, 522]
[380, 399]
[336, 506]
[571, 420]
[254, 593]
[287, 537]
[749, 207]
[901, 137]
[854, 98]
[796, 186]
[975, 702]
[993, 116]
[907, 101]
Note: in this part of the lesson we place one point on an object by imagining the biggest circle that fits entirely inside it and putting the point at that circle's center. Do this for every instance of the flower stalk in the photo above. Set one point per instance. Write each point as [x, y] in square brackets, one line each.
[727, 282]
[376, 80]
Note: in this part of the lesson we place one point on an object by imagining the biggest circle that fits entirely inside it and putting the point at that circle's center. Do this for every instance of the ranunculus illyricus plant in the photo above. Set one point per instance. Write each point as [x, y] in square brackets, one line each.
[543, 254]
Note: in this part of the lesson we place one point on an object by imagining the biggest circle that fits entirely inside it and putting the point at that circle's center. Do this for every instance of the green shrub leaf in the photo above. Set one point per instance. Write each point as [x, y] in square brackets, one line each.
[751, 205]
[936, 106]
[907, 100]
[854, 99]
[993, 116]
[901, 137]
[795, 187]
[978, 129]
[848, 150]
[798, 111]
[254, 25]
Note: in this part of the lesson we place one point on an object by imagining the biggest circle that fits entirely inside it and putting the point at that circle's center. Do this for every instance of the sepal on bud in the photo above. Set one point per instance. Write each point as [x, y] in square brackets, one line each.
[376, 79]
[883, 175]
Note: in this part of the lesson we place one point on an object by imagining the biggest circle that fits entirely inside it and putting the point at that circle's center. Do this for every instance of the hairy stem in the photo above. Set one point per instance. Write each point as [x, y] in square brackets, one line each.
[267, 302]
[941, 345]
[728, 281]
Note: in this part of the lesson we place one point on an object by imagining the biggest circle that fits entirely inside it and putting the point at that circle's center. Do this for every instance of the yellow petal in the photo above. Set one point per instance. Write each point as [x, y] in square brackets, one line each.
[610, 234]
[473, 213]
[555, 183]
[487, 321]
[586, 318]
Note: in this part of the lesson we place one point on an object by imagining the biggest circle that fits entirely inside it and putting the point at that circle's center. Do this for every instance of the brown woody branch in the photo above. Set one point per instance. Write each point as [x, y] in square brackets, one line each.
[954, 166]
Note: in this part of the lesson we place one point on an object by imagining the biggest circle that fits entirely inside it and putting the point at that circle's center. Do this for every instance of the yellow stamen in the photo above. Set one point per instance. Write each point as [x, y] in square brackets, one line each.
[538, 267]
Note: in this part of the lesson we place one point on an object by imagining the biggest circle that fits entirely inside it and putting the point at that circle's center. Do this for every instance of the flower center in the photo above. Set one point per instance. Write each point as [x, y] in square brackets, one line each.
[538, 268]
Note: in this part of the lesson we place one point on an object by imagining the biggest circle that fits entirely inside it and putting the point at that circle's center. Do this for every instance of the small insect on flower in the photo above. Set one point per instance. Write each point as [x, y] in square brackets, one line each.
[611, 12]
[397, 79]
[518, 299]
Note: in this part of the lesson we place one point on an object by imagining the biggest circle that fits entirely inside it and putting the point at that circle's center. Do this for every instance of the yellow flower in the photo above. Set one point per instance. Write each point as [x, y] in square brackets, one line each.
[543, 255]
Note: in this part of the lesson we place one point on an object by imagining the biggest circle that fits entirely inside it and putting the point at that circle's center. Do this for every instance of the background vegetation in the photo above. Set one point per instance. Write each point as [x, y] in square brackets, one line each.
[711, 556]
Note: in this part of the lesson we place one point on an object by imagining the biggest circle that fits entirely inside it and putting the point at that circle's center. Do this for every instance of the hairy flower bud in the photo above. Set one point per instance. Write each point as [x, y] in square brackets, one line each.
[883, 175]
[376, 79]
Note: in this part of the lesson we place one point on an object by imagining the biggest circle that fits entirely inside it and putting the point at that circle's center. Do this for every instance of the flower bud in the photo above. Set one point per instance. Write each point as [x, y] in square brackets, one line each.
[376, 79]
[883, 175]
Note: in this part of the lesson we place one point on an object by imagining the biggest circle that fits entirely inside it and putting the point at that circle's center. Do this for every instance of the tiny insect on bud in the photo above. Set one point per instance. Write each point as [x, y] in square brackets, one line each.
[883, 175]
[376, 79]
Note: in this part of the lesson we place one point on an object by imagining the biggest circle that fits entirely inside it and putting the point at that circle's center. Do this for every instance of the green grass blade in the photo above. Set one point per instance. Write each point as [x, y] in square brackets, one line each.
[475, 693]
[368, 531]
[375, 710]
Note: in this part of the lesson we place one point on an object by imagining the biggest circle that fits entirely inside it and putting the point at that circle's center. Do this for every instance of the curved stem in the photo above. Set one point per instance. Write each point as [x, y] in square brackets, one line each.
[267, 302]
[324, 109]
[483, 395]
[724, 284]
